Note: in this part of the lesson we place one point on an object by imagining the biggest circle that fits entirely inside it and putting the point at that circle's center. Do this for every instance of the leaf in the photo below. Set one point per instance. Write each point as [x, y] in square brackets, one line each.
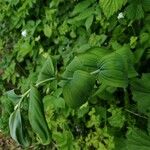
[16, 129]
[47, 71]
[13, 96]
[88, 22]
[129, 60]
[141, 92]
[109, 7]
[77, 91]
[113, 71]
[135, 11]
[117, 119]
[83, 15]
[64, 140]
[37, 118]
[138, 140]
[47, 30]
[81, 6]
[85, 61]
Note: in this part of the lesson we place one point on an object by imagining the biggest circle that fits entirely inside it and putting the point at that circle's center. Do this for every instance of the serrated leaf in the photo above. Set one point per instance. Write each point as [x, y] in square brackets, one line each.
[135, 11]
[47, 30]
[111, 6]
[141, 92]
[77, 91]
[47, 70]
[137, 139]
[37, 118]
[16, 129]
[81, 6]
[113, 71]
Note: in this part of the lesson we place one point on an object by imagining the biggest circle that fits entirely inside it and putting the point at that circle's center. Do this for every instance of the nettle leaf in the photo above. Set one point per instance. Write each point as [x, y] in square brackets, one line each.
[16, 129]
[141, 92]
[137, 139]
[135, 11]
[77, 91]
[117, 119]
[64, 140]
[37, 118]
[113, 71]
[111, 6]
[47, 70]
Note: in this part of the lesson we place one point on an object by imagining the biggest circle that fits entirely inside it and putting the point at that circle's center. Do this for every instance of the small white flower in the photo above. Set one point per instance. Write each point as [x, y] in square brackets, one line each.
[120, 15]
[24, 33]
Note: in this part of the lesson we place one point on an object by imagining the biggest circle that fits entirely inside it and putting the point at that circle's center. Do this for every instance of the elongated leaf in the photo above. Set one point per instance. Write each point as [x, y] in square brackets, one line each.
[81, 6]
[111, 6]
[47, 70]
[37, 117]
[113, 71]
[141, 92]
[16, 129]
[129, 59]
[77, 91]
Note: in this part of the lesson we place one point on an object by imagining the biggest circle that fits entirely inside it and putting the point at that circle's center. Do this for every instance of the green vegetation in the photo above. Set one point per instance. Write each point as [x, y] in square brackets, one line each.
[74, 74]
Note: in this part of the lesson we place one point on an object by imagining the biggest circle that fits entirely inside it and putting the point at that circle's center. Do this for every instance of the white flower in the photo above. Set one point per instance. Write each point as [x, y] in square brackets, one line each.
[24, 33]
[120, 15]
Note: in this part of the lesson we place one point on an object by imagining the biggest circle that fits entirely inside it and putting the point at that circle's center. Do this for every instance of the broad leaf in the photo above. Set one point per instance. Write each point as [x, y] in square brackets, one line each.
[77, 91]
[16, 129]
[138, 140]
[86, 61]
[111, 6]
[113, 71]
[37, 117]
[141, 92]
[47, 70]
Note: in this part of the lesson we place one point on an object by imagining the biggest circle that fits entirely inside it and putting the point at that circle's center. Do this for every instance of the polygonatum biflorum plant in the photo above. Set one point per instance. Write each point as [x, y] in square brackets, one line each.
[75, 74]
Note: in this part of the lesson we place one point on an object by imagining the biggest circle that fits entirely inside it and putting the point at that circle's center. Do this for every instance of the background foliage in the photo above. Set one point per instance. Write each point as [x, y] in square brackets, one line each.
[75, 74]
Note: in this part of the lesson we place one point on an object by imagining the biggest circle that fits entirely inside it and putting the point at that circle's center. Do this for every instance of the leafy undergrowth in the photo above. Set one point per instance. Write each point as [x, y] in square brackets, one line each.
[75, 74]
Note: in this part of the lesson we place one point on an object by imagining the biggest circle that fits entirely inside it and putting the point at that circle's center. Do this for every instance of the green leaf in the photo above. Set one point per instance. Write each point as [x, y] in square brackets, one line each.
[13, 96]
[47, 71]
[89, 22]
[138, 140]
[37, 118]
[77, 91]
[135, 11]
[47, 30]
[129, 60]
[113, 71]
[85, 61]
[81, 6]
[16, 129]
[64, 140]
[117, 119]
[141, 92]
[109, 7]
